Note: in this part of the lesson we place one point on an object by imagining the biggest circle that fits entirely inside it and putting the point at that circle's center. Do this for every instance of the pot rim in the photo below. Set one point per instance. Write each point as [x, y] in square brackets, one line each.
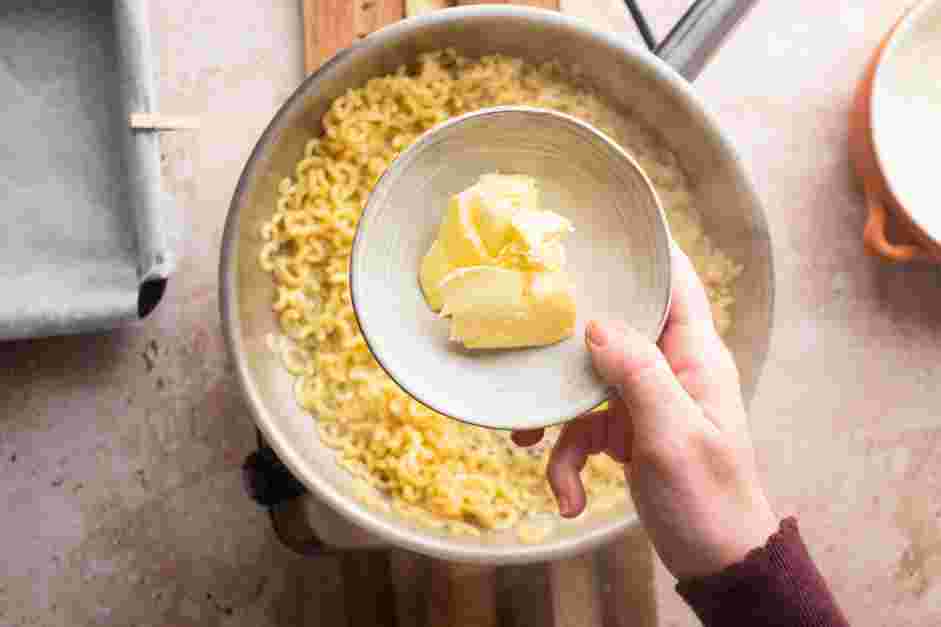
[400, 534]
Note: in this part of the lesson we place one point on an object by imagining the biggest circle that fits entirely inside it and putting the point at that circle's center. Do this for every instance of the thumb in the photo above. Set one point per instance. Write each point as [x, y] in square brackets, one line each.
[641, 376]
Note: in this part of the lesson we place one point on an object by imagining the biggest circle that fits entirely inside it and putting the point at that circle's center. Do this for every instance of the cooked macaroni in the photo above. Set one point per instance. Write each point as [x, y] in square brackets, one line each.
[434, 470]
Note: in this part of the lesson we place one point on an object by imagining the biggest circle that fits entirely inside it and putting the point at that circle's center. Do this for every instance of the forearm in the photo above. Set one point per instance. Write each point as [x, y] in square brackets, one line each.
[777, 584]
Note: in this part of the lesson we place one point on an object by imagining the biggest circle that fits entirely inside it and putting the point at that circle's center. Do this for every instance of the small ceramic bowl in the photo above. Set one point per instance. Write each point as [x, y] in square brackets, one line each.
[618, 258]
[895, 134]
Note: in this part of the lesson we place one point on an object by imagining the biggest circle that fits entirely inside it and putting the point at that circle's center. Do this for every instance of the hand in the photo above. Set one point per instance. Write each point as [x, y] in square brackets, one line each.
[677, 419]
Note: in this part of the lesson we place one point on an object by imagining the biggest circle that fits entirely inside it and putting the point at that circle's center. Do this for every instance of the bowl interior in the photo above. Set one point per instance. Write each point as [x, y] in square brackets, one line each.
[906, 115]
[631, 78]
[618, 258]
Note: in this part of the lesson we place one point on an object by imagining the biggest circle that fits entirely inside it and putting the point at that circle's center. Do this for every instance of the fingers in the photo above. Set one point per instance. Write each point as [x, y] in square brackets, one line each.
[607, 431]
[689, 303]
[691, 345]
[578, 440]
[637, 369]
[527, 437]
[620, 432]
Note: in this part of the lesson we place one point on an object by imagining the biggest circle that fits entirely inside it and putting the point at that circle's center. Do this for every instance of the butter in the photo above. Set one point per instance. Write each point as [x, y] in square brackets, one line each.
[536, 241]
[434, 267]
[459, 236]
[545, 316]
[537, 229]
[496, 269]
[489, 290]
[497, 200]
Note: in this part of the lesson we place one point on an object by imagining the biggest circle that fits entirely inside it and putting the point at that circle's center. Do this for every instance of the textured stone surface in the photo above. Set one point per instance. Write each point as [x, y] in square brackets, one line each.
[119, 483]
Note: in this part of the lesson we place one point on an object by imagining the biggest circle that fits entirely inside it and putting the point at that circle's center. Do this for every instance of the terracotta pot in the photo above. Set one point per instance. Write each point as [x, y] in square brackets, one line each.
[875, 143]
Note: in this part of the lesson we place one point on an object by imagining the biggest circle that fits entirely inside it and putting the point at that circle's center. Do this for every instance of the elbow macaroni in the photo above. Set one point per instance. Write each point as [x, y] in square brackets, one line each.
[440, 473]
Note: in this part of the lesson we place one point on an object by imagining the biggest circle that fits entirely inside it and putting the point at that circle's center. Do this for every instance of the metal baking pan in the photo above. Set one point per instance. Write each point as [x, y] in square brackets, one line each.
[87, 238]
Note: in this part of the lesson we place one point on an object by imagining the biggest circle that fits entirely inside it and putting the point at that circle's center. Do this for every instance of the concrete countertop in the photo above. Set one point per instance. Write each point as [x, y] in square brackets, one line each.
[119, 454]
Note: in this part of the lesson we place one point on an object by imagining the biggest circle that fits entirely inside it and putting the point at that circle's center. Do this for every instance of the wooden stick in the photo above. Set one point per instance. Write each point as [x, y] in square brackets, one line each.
[160, 122]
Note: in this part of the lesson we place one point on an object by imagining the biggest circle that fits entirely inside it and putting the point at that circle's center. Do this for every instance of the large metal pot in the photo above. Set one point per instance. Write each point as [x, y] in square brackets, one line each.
[628, 75]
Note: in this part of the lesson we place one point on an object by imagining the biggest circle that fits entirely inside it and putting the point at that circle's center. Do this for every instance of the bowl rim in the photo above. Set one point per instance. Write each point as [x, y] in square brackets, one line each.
[897, 36]
[399, 533]
[662, 234]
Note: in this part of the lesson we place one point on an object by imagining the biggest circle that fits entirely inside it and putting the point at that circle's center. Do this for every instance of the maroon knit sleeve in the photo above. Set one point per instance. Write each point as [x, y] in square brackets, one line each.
[777, 584]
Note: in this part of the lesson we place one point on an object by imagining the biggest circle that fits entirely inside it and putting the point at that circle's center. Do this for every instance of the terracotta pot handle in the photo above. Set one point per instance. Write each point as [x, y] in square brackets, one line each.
[874, 233]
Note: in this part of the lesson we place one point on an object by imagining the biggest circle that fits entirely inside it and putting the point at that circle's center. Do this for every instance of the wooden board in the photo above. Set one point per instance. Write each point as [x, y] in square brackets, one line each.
[462, 594]
[611, 587]
[542, 4]
[417, 7]
[331, 25]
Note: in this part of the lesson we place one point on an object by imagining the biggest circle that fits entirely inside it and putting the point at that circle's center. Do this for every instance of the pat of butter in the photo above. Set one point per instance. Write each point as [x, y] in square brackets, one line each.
[496, 267]
[483, 290]
[498, 199]
[546, 314]
[434, 267]
[459, 237]
[536, 241]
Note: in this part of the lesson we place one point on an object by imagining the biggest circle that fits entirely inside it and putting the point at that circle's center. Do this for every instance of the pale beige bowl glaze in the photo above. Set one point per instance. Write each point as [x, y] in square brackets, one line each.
[626, 75]
[618, 258]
